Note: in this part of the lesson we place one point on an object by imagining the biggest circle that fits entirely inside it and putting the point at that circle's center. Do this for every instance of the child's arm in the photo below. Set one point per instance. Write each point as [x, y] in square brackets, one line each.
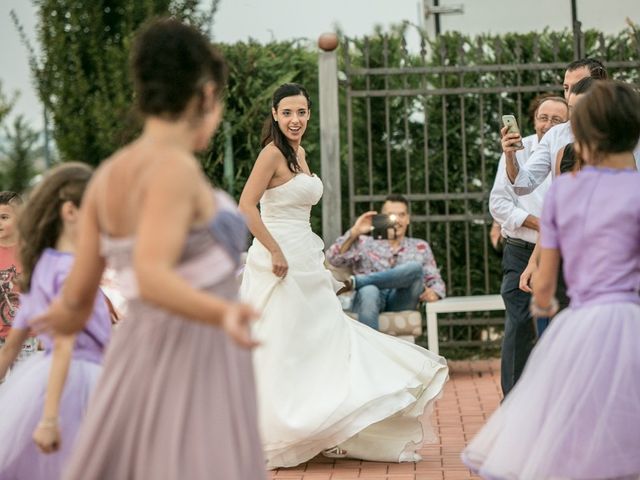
[47, 433]
[11, 349]
[545, 282]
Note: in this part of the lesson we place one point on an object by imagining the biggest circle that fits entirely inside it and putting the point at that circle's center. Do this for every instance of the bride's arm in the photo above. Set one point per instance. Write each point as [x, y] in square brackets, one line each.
[263, 171]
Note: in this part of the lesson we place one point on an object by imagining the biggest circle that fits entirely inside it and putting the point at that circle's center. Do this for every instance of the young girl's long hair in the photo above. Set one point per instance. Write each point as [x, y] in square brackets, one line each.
[40, 224]
[271, 131]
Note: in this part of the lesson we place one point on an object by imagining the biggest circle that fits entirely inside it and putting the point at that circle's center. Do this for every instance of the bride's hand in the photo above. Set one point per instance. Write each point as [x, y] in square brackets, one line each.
[237, 324]
[280, 265]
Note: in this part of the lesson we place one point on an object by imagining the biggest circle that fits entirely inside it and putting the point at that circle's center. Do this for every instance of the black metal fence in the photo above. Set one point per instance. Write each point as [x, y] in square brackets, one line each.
[426, 124]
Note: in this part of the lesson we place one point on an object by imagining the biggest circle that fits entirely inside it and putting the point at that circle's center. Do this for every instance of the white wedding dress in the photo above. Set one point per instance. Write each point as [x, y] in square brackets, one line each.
[324, 379]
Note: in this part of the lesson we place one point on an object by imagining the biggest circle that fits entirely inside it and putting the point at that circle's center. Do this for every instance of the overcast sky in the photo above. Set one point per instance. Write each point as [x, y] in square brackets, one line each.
[287, 19]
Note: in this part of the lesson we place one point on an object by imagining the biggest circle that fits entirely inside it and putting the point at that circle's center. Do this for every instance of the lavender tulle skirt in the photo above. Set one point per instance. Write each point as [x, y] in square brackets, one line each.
[575, 412]
[21, 404]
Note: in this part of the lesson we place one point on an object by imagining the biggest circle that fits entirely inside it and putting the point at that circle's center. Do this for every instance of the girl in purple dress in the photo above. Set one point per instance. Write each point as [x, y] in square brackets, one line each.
[71, 363]
[575, 413]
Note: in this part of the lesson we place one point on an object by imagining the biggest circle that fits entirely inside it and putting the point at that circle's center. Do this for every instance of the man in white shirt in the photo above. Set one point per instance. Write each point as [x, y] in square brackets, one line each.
[527, 178]
[519, 220]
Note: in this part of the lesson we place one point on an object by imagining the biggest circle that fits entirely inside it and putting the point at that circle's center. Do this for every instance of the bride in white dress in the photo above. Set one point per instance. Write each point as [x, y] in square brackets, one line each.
[326, 383]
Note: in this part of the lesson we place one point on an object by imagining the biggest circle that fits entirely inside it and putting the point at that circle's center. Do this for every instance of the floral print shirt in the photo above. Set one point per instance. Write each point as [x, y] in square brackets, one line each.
[367, 255]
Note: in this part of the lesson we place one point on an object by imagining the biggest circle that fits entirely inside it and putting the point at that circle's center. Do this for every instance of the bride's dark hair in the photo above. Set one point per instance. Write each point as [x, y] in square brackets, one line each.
[271, 131]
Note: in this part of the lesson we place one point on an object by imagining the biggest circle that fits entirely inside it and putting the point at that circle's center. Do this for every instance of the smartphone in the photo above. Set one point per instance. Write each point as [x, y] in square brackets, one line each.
[383, 227]
[510, 121]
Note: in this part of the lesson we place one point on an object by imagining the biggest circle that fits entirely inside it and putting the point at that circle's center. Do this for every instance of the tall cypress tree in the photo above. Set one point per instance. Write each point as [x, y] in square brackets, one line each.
[82, 72]
[17, 153]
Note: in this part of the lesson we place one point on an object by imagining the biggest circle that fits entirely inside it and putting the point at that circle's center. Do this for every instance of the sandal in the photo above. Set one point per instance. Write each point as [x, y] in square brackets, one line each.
[335, 452]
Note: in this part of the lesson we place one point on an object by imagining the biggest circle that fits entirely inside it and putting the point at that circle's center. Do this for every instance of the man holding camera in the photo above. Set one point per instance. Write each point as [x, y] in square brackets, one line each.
[392, 273]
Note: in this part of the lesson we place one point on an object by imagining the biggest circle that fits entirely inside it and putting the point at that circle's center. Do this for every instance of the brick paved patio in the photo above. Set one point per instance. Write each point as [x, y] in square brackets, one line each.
[472, 393]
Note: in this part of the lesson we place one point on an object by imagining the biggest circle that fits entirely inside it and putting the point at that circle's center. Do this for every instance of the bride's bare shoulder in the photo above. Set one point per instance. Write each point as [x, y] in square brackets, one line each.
[270, 157]
[270, 151]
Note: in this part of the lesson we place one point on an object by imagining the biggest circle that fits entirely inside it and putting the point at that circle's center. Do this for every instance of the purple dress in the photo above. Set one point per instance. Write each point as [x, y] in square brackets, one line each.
[22, 396]
[575, 413]
[177, 397]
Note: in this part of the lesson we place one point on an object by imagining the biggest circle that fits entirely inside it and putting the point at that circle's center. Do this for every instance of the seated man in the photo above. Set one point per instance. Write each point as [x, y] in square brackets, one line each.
[389, 275]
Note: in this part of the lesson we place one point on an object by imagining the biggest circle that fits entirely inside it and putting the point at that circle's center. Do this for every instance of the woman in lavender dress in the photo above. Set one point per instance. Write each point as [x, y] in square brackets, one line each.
[71, 364]
[176, 399]
[575, 413]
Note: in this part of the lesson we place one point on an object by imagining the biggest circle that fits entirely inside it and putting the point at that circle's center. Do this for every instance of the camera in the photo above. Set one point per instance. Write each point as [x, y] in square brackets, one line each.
[384, 227]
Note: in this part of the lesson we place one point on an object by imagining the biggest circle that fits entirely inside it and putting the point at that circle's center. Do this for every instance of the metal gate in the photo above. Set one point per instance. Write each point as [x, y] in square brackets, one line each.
[426, 124]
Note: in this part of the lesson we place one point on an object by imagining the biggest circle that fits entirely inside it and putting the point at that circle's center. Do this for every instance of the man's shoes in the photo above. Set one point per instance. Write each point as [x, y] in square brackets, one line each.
[349, 284]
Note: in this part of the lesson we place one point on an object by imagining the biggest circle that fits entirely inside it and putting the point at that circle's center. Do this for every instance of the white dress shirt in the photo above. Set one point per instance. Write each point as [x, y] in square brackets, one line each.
[543, 161]
[511, 210]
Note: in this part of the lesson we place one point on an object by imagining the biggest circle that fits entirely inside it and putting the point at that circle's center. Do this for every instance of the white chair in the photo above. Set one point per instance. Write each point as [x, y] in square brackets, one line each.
[475, 303]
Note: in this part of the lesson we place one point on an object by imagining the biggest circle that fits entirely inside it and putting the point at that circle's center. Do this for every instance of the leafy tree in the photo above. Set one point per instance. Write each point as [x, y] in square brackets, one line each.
[81, 74]
[6, 104]
[18, 155]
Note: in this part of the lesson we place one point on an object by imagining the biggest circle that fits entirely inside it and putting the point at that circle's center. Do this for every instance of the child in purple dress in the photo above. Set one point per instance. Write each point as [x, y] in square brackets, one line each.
[575, 414]
[55, 386]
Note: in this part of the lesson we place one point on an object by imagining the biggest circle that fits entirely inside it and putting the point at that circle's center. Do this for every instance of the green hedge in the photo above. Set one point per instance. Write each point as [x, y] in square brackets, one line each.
[82, 79]
[257, 69]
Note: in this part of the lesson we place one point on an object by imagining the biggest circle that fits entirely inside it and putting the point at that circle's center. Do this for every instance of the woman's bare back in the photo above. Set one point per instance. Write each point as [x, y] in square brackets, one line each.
[123, 181]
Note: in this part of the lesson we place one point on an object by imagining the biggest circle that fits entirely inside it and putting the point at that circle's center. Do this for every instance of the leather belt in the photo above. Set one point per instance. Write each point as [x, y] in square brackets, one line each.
[516, 242]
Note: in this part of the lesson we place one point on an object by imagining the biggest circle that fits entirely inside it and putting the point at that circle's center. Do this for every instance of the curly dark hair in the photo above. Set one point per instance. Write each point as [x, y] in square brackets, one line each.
[170, 64]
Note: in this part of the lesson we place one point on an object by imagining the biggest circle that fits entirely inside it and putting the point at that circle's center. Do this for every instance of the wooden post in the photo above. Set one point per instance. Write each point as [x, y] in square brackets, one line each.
[329, 137]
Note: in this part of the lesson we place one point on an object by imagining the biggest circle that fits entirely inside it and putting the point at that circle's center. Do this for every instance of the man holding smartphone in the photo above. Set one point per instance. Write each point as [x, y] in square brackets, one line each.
[526, 178]
[390, 274]
[519, 220]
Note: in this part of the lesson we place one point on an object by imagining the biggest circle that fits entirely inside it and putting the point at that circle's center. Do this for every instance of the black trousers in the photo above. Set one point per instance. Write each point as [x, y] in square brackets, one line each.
[519, 330]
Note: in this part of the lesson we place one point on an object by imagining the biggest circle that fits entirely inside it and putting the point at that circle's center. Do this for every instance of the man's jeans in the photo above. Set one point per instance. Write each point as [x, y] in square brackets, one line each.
[392, 290]
[519, 330]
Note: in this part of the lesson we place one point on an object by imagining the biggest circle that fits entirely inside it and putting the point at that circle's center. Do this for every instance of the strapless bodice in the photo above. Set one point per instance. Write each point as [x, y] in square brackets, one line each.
[211, 253]
[291, 200]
